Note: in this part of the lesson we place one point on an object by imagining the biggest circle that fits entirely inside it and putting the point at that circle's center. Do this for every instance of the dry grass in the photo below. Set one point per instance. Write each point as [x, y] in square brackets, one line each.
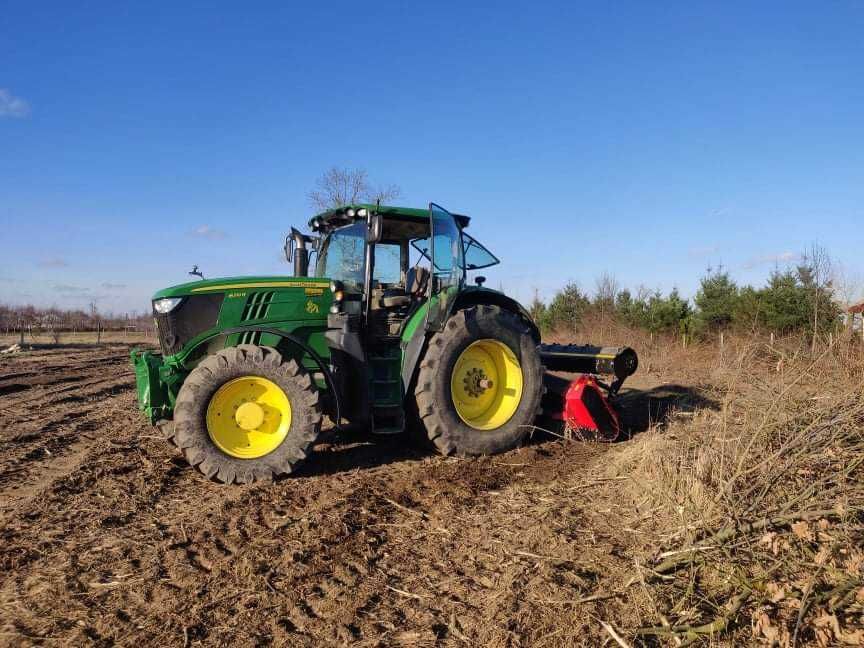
[761, 500]
[66, 338]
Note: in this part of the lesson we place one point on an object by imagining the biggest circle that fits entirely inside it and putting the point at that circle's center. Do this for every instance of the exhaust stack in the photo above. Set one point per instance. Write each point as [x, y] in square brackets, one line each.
[301, 254]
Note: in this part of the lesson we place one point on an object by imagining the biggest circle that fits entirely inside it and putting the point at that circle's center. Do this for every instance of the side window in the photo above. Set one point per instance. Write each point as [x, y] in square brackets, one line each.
[477, 256]
[388, 269]
[421, 249]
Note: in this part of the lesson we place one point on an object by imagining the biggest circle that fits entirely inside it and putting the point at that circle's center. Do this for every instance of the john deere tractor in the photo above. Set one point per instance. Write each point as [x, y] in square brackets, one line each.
[385, 335]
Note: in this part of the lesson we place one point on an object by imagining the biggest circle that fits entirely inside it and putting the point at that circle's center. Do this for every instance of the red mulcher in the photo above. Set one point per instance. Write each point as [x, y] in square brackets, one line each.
[581, 404]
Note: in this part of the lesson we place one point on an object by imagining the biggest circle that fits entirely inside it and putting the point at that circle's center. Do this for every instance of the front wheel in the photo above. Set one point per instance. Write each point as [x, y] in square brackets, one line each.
[246, 414]
[479, 386]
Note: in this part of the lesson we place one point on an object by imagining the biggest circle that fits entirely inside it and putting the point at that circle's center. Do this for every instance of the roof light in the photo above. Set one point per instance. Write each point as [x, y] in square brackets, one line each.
[350, 212]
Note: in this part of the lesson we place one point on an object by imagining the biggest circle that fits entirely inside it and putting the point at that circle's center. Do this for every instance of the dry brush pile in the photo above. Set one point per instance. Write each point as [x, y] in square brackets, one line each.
[761, 500]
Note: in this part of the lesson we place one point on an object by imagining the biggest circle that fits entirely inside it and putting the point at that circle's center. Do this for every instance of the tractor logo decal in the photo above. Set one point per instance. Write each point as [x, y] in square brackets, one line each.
[311, 307]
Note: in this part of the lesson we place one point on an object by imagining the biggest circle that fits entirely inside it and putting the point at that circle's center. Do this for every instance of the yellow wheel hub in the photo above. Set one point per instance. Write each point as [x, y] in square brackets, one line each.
[486, 384]
[248, 417]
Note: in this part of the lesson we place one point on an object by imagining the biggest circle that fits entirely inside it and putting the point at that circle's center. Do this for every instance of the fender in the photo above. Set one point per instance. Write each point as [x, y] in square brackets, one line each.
[413, 348]
[293, 339]
[471, 296]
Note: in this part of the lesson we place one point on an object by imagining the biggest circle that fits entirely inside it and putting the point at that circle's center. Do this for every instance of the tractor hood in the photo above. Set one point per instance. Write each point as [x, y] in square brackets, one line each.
[240, 283]
[193, 312]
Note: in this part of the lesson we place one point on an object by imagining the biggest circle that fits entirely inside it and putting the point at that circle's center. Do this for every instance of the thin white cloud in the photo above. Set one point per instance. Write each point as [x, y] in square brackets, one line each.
[782, 257]
[207, 232]
[69, 289]
[12, 106]
[113, 286]
[54, 262]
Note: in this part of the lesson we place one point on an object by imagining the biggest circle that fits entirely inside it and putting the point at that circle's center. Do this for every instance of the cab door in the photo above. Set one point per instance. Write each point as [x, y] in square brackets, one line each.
[448, 268]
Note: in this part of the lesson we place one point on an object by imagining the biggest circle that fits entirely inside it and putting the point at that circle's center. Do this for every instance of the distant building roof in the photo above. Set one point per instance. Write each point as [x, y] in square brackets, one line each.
[856, 308]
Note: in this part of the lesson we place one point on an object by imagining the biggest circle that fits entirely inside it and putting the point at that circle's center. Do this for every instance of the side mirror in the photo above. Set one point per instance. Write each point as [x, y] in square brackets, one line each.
[375, 229]
[289, 248]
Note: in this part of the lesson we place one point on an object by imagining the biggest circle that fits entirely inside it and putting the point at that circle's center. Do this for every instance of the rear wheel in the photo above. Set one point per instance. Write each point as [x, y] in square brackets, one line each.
[246, 414]
[479, 386]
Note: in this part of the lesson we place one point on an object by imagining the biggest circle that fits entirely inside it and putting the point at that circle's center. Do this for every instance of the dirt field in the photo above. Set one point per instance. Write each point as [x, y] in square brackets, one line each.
[108, 538]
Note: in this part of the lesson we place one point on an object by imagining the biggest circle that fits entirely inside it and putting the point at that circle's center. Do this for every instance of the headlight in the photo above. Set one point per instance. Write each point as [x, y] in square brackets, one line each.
[166, 305]
[336, 286]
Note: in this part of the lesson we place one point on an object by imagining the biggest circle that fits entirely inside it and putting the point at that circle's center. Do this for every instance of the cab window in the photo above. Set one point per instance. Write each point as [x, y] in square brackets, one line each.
[388, 266]
[476, 256]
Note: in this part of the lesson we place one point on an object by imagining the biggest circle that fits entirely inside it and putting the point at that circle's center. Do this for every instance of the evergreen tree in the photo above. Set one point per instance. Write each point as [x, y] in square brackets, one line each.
[716, 300]
[567, 307]
[785, 302]
[539, 312]
[667, 314]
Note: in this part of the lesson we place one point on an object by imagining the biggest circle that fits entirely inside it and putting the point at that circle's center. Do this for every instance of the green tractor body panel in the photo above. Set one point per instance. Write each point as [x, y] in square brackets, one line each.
[226, 312]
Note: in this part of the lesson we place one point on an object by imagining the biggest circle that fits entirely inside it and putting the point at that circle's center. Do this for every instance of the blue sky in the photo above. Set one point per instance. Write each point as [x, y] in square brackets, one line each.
[647, 140]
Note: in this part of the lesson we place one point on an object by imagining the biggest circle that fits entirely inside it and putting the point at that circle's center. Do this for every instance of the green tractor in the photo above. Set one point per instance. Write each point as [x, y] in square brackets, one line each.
[386, 336]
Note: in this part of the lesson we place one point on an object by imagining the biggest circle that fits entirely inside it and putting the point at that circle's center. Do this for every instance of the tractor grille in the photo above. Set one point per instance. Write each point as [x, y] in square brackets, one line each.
[193, 316]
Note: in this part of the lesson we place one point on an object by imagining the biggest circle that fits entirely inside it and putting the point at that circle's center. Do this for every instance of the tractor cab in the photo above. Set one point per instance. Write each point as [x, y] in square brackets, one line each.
[395, 274]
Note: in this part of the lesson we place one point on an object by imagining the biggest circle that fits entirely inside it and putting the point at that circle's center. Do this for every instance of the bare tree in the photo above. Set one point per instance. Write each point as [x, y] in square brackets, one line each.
[96, 317]
[339, 186]
[53, 323]
[817, 272]
[848, 285]
[606, 292]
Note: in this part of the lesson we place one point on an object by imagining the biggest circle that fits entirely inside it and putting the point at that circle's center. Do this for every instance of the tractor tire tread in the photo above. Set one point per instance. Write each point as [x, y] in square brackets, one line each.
[433, 401]
[190, 430]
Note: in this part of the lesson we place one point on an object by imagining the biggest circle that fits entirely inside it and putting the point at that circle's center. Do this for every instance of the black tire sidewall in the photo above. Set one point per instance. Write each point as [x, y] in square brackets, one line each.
[204, 381]
[481, 323]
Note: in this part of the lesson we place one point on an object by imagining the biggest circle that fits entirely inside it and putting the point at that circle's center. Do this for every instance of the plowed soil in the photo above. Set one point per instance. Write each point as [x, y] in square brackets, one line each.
[107, 537]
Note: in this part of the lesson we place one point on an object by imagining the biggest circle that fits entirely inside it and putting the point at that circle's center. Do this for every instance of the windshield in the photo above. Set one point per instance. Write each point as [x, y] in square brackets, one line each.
[342, 256]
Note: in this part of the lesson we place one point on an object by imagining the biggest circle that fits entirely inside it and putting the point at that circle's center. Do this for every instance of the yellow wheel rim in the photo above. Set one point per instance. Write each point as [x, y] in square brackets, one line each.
[486, 384]
[248, 417]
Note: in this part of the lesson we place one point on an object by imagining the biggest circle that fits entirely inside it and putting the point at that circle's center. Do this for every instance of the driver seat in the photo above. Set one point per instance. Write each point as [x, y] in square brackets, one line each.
[416, 281]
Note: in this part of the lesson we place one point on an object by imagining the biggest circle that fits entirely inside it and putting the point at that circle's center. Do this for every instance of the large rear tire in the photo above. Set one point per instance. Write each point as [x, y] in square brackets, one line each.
[246, 414]
[480, 384]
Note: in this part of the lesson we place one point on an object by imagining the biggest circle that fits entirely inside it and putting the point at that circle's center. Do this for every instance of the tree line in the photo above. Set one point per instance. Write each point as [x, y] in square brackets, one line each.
[799, 299]
[36, 320]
